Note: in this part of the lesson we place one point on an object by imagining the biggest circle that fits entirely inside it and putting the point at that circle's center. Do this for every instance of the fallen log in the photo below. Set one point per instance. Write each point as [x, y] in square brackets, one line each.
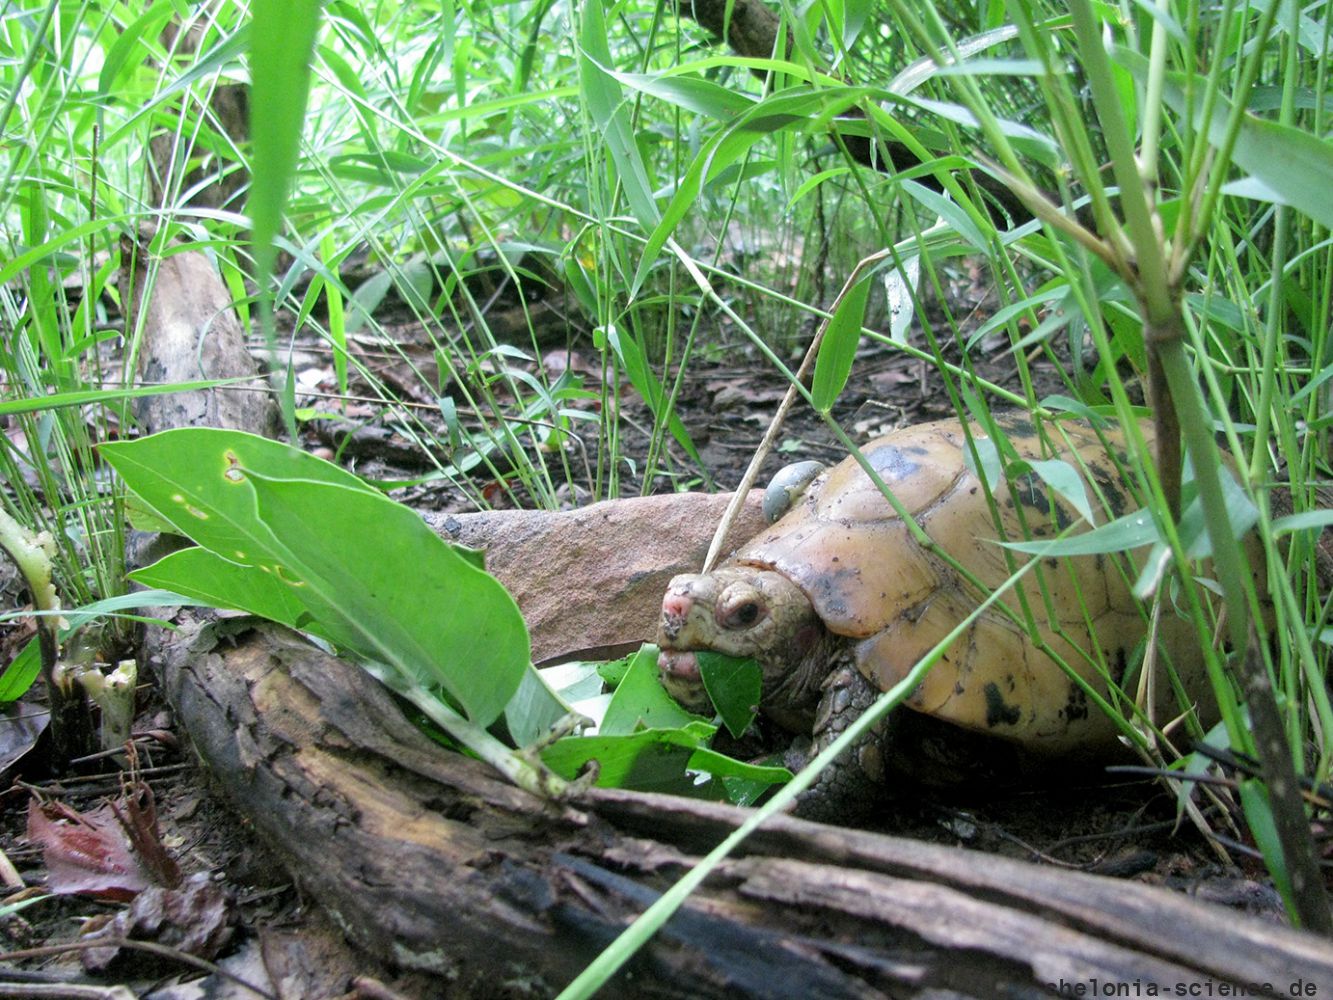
[429, 860]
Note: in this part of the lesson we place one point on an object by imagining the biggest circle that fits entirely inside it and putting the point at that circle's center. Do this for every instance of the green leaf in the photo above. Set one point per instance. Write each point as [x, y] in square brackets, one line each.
[534, 708]
[811, 183]
[648, 760]
[833, 365]
[640, 702]
[22, 671]
[114, 606]
[665, 760]
[1240, 510]
[606, 105]
[413, 602]
[950, 212]
[1295, 165]
[734, 685]
[182, 477]
[1304, 521]
[88, 397]
[744, 783]
[281, 42]
[220, 583]
[1131, 531]
[1258, 811]
[613, 672]
[1064, 479]
[646, 384]
[148, 24]
[791, 110]
[689, 92]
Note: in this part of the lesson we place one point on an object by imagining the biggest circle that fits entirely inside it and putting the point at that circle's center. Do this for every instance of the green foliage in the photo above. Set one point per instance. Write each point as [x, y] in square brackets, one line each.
[646, 741]
[733, 686]
[281, 37]
[275, 530]
[274, 525]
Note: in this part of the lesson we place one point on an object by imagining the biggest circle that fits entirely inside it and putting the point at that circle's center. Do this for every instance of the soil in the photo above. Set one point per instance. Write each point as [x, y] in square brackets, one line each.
[1127, 826]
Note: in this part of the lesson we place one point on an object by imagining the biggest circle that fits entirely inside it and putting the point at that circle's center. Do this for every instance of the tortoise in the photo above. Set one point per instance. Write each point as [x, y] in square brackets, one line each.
[837, 602]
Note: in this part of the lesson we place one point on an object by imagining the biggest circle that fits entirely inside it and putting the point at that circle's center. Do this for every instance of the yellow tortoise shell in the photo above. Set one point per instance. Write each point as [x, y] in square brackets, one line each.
[870, 581]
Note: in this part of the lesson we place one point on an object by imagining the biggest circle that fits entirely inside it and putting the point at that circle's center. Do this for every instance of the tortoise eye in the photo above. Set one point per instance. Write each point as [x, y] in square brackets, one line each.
[742, 616]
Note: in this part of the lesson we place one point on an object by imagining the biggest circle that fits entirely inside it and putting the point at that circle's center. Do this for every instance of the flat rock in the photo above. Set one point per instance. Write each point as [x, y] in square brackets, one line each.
[590, 581]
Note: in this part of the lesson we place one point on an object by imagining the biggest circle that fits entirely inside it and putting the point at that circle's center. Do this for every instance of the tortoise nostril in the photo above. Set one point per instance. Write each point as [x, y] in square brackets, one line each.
[676, 605]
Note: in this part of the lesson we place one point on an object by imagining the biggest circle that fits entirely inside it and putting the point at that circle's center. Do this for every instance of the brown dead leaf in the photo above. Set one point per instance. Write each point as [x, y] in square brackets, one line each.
[198, 918]
[137, 812]
[731, 393]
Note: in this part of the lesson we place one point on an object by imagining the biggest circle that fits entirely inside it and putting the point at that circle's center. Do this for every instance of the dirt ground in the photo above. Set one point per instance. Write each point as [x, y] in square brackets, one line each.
[1126, 826]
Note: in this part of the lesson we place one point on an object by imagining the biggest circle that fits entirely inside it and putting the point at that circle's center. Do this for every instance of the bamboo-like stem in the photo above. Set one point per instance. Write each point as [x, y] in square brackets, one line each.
[1279, 772]
[71, 725]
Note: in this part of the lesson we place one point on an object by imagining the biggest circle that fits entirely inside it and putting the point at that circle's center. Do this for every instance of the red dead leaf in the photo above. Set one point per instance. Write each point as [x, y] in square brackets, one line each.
[113, 852]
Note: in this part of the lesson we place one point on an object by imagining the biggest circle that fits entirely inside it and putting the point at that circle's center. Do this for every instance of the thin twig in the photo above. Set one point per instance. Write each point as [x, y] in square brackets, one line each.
[152, 947]
[780, 416]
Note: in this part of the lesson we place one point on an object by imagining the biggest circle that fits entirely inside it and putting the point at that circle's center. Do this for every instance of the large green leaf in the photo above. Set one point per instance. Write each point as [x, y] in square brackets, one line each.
[185, 477]
[640, 701]
[412, 600]
[734, 686]
[664, 760]
[219, 583]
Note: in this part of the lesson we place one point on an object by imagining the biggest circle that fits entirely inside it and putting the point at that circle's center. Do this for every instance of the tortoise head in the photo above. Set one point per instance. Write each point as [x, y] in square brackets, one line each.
[742, 611]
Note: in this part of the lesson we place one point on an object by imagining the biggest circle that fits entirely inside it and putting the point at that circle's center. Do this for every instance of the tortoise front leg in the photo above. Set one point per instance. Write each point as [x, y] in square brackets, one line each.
[854, 784]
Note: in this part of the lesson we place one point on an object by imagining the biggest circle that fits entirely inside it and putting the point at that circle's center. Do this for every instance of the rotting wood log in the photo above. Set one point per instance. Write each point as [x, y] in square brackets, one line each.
[430, 860]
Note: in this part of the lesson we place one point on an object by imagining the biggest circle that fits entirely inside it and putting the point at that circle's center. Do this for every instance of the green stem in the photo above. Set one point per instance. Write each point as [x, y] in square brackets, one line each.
[1134, 201]
[71, 728]
[1279, 773]
[531, 777]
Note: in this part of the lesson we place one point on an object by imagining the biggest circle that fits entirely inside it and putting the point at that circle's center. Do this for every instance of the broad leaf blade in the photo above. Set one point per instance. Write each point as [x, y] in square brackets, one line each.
[413, 602]
[640, 701]
[734, 686]
[219, 583]
[182, 476]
